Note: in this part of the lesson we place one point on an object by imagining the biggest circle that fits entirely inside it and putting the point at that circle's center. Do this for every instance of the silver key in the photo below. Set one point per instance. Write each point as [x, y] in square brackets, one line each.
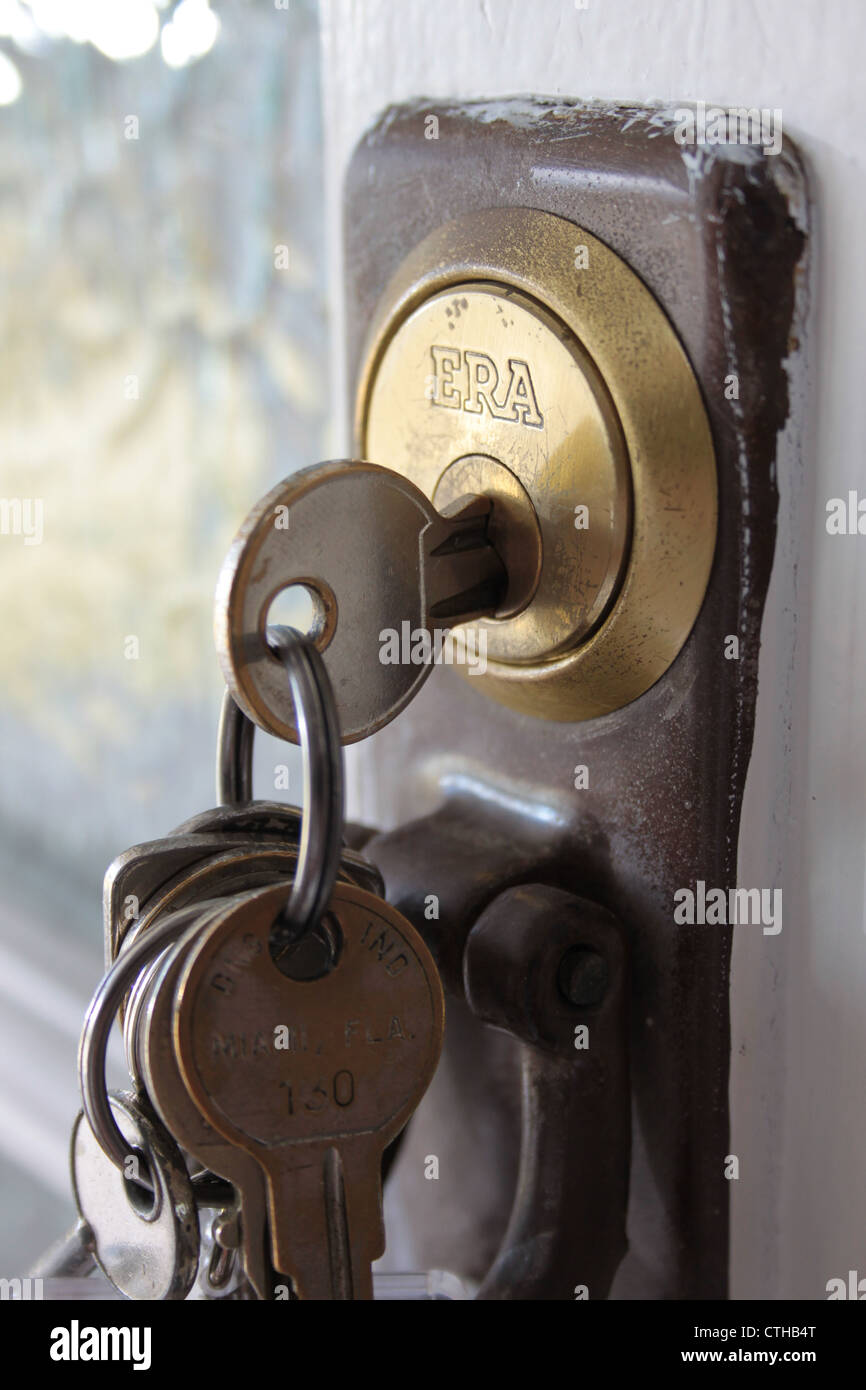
[146, 1243]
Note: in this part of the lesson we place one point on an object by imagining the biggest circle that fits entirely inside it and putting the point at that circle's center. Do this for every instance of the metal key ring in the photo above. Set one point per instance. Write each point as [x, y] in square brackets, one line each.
[321, 842]
[100, 1019]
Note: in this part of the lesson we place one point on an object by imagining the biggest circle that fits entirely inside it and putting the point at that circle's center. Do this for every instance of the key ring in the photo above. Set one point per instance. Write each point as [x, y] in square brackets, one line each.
[322, 760]
[319, 855]
[100, 1019]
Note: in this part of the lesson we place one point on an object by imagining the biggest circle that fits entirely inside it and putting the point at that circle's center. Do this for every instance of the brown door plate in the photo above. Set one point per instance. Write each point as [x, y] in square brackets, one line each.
[629, 806]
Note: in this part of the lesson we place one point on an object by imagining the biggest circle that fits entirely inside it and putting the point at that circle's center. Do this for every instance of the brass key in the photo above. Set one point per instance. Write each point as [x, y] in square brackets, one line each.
[158, 1067]
[324, 529]
[313, 1077]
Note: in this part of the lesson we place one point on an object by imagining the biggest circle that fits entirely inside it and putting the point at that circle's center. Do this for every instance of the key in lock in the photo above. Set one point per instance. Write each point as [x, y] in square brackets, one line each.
[533, 485]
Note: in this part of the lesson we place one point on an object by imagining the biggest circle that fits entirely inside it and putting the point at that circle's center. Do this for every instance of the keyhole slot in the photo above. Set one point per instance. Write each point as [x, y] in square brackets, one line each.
[308, 605]
[142, 1192]
[310, 956]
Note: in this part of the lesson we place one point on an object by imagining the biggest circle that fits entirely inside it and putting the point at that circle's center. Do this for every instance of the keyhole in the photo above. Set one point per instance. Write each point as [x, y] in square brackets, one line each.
[313, 955]
[143, 1197]
[307, 605]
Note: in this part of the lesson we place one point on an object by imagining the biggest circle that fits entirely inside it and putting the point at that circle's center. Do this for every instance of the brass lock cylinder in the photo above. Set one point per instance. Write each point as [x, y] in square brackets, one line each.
[516, 356]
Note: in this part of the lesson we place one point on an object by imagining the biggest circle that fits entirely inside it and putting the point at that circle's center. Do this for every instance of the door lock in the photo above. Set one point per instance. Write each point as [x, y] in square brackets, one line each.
[497, 366]
[542, 477]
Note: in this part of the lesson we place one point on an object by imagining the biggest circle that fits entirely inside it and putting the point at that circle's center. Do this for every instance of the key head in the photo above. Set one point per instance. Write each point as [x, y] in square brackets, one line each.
[272, 1061]
[150, 877]
[147, 1244]
[135, 879]
[350, 532]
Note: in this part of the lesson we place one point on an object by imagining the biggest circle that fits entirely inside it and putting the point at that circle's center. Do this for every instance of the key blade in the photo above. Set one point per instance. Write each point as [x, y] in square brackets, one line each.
[463, 577]
[325, 1208]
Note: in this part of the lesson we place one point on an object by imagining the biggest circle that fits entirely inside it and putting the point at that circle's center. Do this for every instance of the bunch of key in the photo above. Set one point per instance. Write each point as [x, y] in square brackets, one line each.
[281, 1022]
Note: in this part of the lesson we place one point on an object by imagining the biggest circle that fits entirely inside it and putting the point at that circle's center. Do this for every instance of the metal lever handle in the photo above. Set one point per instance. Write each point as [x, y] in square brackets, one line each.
[551, 968]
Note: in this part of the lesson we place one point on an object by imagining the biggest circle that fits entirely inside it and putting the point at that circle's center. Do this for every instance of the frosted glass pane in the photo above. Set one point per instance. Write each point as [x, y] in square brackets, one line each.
[163, 341]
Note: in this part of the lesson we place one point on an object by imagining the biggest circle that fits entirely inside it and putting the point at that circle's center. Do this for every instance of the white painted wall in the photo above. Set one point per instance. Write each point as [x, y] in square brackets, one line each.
[798, 1000]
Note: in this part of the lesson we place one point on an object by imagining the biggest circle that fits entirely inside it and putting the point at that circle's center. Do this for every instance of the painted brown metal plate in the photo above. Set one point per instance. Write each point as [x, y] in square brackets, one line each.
[483, 796]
